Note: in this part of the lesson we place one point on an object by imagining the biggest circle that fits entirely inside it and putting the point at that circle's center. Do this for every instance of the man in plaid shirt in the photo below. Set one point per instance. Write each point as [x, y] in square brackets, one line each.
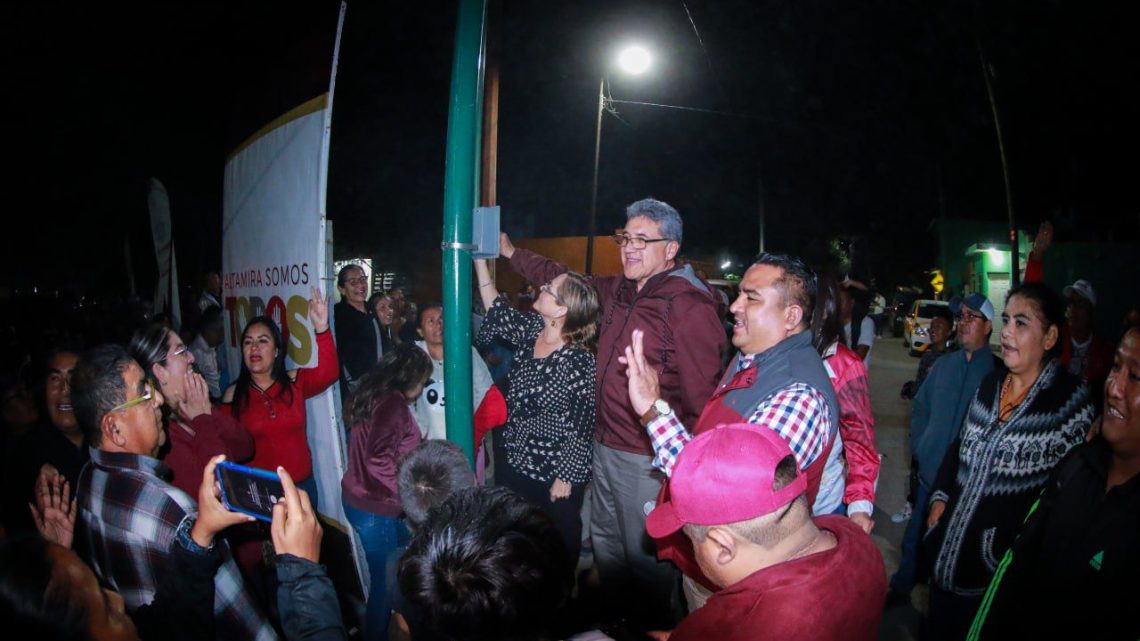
[129, 514]
[777, 381]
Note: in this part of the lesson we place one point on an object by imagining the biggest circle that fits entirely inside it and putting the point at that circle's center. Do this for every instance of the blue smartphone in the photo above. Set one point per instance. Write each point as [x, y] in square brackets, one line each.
[249, 490]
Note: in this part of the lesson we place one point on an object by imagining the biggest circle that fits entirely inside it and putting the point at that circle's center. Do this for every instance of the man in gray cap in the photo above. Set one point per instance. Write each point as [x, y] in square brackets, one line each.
[939, 407]
[1085, 353]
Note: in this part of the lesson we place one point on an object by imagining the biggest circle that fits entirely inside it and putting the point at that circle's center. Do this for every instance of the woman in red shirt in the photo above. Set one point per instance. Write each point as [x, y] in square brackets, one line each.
[270, 400]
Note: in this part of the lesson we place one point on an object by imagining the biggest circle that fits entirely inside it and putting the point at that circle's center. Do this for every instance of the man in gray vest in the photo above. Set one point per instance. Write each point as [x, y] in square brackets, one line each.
[777, 380]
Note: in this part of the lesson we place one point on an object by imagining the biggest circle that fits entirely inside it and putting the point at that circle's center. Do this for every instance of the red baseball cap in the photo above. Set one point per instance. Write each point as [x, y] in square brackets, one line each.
[725, 476]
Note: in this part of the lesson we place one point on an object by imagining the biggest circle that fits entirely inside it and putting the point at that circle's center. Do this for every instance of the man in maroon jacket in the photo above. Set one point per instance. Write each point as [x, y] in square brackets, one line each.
[663, 297]
[737, 494]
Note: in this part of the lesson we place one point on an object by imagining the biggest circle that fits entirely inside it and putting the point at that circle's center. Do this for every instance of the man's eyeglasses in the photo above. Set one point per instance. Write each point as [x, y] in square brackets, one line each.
[359, 280]
[550, 290]
[966, 316]
[637, 243]
[147, 395]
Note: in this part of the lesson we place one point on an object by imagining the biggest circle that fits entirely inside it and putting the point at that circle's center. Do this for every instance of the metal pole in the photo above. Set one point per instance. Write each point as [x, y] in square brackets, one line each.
[1015, 267]
[459, 197]
[760, 213]
[594, 197]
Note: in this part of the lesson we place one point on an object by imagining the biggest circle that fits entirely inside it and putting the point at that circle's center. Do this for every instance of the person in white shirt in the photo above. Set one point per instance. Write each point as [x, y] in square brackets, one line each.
[429, 407]
[865, 339]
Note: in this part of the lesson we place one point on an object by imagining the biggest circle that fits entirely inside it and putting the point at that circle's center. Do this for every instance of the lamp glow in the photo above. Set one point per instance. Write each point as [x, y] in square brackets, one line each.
[997, 257]
[726, 264]
[634, 60]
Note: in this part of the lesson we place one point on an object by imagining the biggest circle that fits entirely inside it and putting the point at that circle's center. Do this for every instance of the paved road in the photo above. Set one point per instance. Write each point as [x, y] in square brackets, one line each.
[891, 365]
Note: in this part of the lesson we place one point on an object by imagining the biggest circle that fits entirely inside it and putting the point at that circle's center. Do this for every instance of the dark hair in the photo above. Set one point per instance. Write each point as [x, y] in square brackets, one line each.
[279, 373]
[97, 386]
[826, 320]
[486, 564]
[42, 370]
[375, 298]
[428, 475]
[342, 275]
[581, 300]
[943, 312]
[797, 285]
[424, 308]
[1049, 305]
[32, 600]
[210, 319]
[149, 346]
[400, 369]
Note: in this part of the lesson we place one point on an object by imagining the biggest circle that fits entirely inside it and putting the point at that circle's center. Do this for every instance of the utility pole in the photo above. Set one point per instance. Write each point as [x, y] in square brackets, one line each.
[1015, 261]
[594, 196]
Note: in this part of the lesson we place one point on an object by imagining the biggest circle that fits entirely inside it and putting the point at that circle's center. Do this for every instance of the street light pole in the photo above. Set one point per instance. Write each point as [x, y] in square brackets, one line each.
[594, 197]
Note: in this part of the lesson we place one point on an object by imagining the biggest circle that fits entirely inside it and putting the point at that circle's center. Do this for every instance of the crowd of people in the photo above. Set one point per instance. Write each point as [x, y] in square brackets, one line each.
[717, 501]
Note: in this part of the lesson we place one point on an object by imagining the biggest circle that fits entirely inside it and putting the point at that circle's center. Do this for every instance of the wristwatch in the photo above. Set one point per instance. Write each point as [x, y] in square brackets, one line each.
[658, 409]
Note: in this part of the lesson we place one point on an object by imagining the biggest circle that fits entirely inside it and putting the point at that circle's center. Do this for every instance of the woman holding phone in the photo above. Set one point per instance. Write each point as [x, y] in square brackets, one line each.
[383, 431]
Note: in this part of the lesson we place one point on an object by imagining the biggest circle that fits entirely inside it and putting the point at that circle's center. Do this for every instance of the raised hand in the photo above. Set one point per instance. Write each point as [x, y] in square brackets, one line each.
[506, 247]
[213, 517]
[196, 400]
[643, 386]
[54, 511]
[295, 528]
[318, 310]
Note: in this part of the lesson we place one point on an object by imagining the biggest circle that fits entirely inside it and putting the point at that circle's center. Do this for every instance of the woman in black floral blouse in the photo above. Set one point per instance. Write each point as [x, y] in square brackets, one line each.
[549, 434]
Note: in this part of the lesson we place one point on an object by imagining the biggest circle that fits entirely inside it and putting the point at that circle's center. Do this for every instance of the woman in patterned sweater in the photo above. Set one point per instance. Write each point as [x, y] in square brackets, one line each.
[549, 434]
[1018, 427]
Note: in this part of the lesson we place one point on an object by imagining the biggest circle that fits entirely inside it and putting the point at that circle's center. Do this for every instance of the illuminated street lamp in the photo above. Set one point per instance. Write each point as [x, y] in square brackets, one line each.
[634, 61]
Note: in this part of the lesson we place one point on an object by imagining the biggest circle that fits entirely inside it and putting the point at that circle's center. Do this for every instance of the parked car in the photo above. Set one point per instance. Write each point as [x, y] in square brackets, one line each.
[916, 325]
[901, 303]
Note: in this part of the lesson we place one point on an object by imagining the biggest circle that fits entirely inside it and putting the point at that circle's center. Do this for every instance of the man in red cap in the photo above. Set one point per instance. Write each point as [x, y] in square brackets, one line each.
[737, 493]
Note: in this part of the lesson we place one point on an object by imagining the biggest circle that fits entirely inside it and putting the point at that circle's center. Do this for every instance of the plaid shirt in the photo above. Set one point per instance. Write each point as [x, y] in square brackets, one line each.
[796, 412]
[130, 517]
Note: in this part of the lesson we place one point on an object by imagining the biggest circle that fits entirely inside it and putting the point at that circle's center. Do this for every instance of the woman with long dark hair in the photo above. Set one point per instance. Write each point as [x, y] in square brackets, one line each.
[197, 430]
[549, 434]
[1019, 425]
[383, 431]
[856, 423]
[270, 400]
[382, 305]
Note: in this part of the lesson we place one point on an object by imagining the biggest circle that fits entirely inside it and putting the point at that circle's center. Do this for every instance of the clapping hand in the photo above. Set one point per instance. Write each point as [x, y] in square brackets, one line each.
[53, 513]
[318, 310]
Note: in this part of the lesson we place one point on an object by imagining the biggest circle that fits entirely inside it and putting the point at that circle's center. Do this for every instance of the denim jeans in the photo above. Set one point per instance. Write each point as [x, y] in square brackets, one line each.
[903, 579]
[379, 535]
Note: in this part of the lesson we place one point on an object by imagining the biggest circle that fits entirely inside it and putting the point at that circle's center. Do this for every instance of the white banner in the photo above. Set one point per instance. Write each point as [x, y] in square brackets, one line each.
[162, 232]
[273, 250]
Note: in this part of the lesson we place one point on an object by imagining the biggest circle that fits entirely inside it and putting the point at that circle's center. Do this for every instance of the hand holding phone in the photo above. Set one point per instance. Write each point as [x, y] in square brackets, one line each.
[296, 529]
[249, 490]
[213, 517]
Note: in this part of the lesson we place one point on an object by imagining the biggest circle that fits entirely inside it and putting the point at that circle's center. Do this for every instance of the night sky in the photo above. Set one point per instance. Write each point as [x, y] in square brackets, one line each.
[862, 119]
